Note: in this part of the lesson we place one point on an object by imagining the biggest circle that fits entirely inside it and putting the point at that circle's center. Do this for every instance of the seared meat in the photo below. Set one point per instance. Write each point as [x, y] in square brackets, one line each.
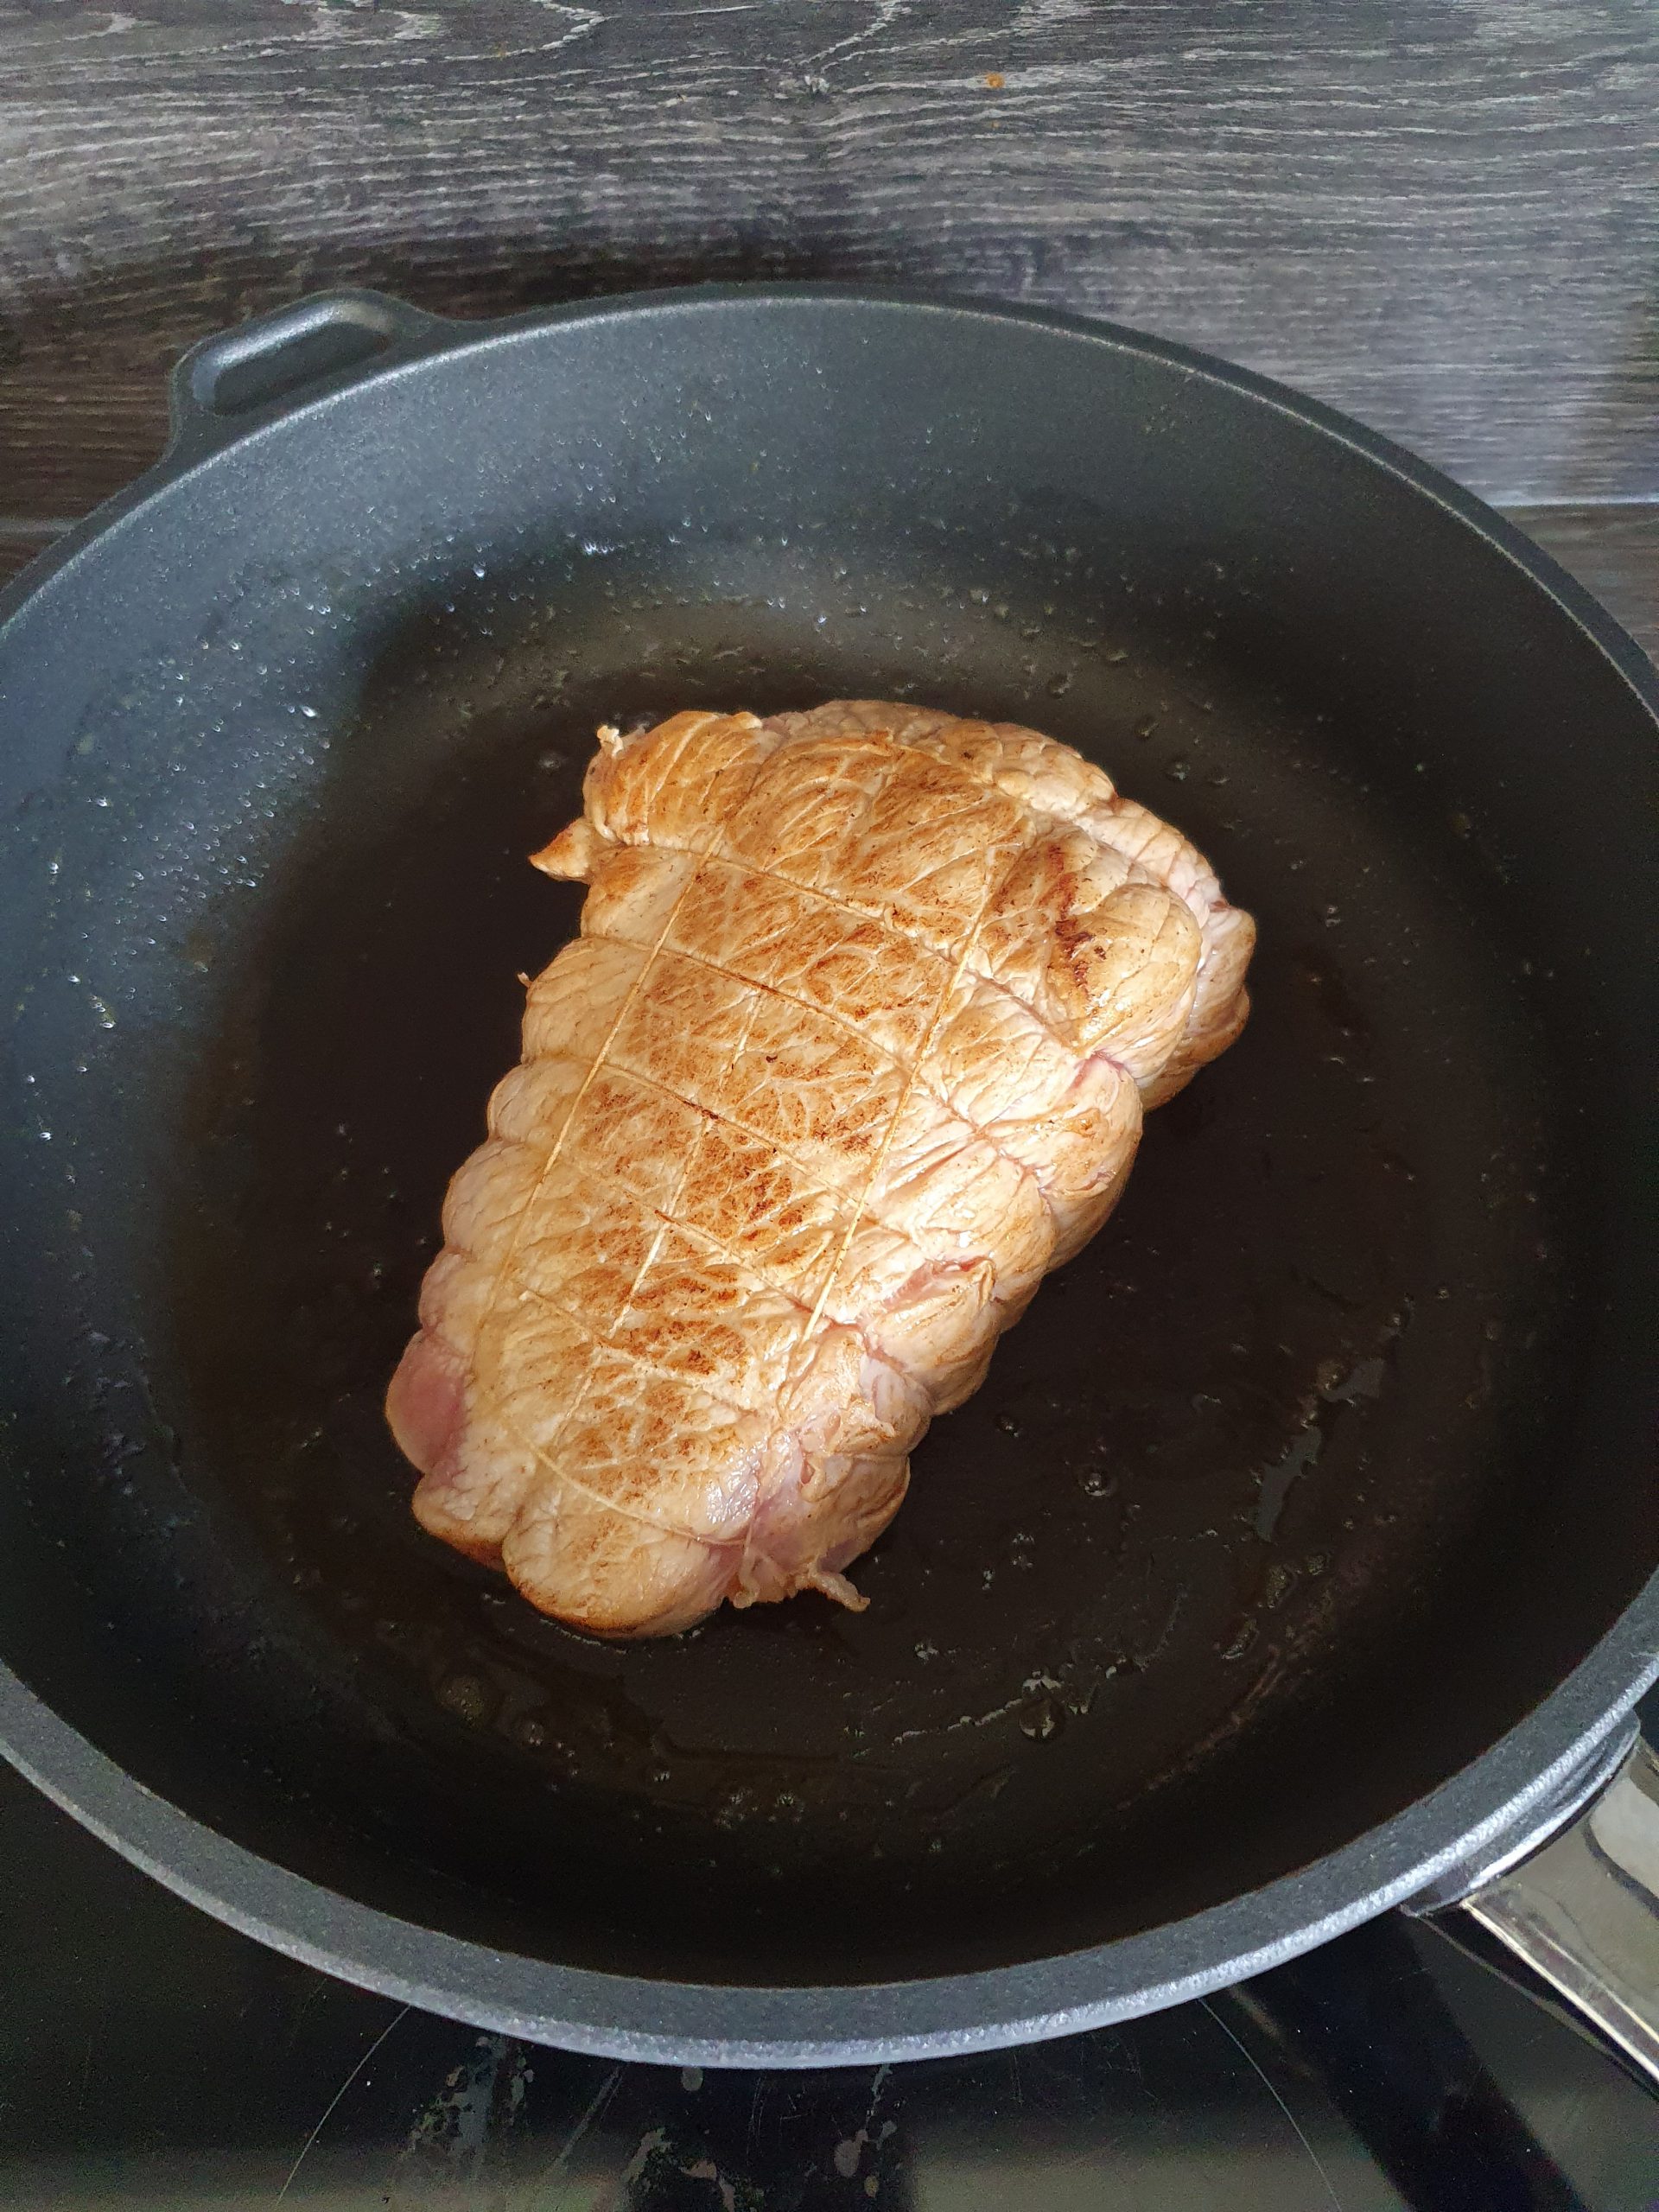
[853, 1047]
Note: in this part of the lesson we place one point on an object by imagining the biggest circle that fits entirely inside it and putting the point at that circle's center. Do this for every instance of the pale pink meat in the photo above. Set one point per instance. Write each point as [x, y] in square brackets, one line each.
[853, 1048]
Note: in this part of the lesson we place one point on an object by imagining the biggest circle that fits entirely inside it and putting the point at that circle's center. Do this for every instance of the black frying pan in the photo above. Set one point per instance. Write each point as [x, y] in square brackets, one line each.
[1294, 1560]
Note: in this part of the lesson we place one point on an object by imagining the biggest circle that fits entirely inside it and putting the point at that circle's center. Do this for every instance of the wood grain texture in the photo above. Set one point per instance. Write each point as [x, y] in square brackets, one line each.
[1440, 214]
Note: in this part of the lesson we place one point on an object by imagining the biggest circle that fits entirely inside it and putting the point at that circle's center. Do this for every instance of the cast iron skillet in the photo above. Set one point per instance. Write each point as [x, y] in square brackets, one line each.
[1295, 1560]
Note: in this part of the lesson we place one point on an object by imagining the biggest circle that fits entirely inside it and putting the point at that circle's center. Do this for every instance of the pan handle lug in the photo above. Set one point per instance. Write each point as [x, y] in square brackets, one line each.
[1582, 1909]
[241, 378]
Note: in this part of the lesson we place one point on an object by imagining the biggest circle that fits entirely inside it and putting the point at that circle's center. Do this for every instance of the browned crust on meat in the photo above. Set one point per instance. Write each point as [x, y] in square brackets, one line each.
[853, 1046]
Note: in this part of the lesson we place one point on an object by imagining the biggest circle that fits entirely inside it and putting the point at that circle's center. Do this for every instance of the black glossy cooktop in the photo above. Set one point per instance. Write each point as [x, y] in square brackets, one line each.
[150, 2059]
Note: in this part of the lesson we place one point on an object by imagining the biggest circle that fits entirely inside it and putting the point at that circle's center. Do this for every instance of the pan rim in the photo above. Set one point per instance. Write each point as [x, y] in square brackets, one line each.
[455, 335]
[1499, 1805]
[1511, 1791]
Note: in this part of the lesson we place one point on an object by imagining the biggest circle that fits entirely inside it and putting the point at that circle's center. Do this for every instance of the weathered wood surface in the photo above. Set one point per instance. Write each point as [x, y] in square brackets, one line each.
[1440, 214]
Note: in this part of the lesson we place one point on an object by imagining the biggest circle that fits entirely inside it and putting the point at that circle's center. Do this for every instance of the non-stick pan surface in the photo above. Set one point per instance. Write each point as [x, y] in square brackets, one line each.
[1313, 1478]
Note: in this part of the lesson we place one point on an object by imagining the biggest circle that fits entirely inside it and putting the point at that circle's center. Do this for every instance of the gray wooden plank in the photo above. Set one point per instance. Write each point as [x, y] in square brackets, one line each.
[1440, 214]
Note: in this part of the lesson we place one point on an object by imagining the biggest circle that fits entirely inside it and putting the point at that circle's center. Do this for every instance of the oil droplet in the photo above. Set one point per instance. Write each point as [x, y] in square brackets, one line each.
[1145, 727]
[465, 1696]
[1042, 1720]
[1304, 1453]
[1280, 1581]
[1179, 769]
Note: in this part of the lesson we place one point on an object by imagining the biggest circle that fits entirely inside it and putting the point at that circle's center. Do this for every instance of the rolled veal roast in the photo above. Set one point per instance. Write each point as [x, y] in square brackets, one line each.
[853, 1046]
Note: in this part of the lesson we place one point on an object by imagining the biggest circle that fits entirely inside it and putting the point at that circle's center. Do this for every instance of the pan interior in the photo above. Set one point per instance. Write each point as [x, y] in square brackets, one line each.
[1175, 1601]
